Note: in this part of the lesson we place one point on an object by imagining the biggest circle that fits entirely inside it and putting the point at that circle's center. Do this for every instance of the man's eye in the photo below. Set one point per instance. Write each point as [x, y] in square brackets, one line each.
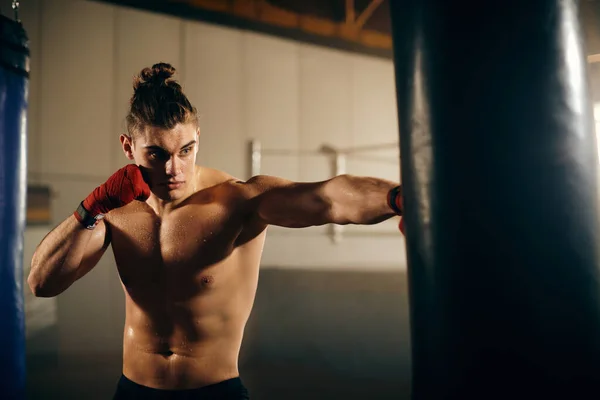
[186, 151]
[156, 155]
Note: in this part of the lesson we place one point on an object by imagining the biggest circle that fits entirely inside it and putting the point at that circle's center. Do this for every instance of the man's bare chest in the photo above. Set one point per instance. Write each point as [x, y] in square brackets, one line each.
[196, 235]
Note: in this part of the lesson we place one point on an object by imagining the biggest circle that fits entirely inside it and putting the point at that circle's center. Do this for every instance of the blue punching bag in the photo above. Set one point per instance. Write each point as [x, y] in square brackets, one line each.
[14, 70]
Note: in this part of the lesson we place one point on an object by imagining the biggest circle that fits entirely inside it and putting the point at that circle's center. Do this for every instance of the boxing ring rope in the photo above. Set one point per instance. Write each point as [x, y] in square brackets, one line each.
[366, 148]
[338, 158]
[339, 155]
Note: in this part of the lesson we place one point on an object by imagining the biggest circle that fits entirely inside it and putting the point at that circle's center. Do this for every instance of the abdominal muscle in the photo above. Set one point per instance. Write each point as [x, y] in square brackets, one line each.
[189, 287]
[187, 355]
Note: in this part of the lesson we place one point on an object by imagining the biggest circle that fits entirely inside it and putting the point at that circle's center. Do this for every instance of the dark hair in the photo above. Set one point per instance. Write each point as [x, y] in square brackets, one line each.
[158, 100]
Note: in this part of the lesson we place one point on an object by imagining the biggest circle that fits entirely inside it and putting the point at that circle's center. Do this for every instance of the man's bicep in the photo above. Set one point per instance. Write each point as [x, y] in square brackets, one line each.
[94, 249]
[278, 201]
[261, 184]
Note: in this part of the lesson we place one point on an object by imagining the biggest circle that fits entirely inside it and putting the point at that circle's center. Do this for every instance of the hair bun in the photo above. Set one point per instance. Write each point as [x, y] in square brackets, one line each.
[159, 74]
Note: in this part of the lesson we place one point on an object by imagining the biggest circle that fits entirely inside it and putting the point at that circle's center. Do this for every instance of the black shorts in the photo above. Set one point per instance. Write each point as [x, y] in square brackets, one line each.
[231, 389]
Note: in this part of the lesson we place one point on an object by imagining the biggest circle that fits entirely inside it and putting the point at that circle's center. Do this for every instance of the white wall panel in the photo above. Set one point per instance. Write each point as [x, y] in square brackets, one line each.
[213, 81]
[142, 40]
[374, 116]
[325, 106]
[77, 78]
[271, 95]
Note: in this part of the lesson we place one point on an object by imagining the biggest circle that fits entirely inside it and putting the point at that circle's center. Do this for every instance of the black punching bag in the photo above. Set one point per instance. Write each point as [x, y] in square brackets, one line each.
[499, 167]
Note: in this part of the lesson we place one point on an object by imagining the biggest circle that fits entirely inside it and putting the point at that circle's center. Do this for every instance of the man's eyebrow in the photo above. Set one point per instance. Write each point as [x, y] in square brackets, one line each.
[188, 145]
[155, 147]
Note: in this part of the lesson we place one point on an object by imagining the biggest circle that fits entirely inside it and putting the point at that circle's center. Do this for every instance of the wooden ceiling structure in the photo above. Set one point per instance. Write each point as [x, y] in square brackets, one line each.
[362, 26]
[364, 22]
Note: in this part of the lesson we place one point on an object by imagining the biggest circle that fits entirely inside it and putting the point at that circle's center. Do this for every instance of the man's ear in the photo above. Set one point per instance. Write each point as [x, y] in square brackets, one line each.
[127, 144]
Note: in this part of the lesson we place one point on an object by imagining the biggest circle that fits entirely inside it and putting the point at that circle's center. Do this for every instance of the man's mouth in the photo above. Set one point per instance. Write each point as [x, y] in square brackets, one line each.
[173, 184]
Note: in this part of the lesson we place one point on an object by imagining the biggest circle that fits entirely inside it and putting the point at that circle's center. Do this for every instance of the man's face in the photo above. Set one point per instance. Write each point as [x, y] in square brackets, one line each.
[166, 157]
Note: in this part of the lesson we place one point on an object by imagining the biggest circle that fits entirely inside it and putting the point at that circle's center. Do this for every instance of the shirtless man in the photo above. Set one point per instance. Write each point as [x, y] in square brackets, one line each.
[187, 241]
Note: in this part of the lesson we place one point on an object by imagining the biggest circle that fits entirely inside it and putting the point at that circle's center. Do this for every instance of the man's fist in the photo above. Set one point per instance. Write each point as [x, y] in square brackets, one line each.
[394, 199]
[124, 186]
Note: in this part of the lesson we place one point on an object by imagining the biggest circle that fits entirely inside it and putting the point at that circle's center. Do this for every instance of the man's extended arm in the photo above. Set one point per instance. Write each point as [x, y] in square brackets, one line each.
[344, 199]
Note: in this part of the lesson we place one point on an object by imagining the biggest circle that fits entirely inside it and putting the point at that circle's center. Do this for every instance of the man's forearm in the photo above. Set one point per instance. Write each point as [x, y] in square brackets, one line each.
[359, 200]
[55, 261]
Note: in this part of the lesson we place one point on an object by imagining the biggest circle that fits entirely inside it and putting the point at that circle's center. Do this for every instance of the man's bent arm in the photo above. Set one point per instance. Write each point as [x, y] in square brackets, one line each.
[344, 199]
[67, 253]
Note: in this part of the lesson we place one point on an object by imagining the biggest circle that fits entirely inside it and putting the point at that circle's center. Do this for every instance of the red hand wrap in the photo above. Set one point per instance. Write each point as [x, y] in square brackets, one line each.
[124, 186]
[401, 226]
[394, 199]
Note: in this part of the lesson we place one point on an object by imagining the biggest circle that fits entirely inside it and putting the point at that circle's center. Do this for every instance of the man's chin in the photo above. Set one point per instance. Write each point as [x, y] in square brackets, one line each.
[167, 194]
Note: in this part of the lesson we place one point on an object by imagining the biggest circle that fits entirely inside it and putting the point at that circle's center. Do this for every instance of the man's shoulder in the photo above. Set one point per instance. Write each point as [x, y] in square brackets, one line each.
[244, 189]
[213, 177]
[220, 184]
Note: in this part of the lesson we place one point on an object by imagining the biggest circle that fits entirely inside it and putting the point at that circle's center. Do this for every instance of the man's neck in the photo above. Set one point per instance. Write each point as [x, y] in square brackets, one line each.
[164, 206]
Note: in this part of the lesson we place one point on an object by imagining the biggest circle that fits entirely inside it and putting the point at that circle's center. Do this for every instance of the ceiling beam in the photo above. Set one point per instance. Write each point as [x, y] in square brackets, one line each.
[366, 14]
[350, 12]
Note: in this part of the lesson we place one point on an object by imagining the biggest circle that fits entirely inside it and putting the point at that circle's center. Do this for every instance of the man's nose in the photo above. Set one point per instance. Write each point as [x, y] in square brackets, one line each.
[172, 166]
